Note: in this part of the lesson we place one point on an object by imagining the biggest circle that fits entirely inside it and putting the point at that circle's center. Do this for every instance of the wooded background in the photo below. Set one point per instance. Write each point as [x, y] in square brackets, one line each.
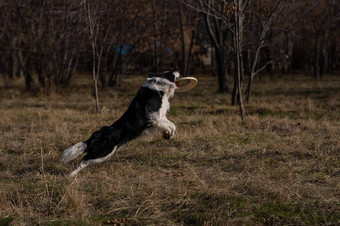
[47, 41]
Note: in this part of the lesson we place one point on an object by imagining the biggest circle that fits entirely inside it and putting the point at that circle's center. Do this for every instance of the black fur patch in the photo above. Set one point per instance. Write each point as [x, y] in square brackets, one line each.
[131, 124]
[166, 74]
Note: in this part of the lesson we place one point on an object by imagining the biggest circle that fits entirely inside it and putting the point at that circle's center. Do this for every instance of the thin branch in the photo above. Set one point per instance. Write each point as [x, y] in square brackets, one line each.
[263, 67]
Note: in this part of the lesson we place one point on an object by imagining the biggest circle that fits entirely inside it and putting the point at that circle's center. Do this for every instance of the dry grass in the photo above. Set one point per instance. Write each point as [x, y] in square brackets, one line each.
[282, 166]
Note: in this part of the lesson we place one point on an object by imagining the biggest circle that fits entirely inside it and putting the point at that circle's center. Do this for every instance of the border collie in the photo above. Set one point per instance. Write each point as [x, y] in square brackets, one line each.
[147, 111]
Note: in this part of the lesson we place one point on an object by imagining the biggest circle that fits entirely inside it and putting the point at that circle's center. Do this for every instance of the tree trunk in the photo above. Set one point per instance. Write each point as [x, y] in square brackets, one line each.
[26, 68]
[96, 94]
[183, 47]
[114, 63]
[222, 72]
[290, 51]
[248, 91]
[316, 62]
[324, 60]
[155, 42]
[235, 90]
[220, 56]
[5, 80]
[10, 66]
[97, 51]
[187, 63]
[238, 54]
[28, 80]
[95, 76]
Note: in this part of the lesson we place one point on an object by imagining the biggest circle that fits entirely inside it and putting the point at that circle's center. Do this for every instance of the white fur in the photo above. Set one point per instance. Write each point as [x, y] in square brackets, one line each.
[159, 120]
[83, 164]
[73, 152]
[161, 84]
[176, 73]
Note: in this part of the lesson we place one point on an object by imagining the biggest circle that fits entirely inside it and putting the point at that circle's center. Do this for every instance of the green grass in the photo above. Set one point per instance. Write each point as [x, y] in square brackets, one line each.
[6, 220]
[279, 167]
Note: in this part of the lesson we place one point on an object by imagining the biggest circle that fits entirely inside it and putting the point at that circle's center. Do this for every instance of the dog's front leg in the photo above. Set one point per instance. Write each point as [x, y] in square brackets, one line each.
[168, 128]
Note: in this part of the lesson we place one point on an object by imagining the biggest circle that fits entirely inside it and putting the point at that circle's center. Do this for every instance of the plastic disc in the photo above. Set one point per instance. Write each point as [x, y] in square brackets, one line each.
[185, 83]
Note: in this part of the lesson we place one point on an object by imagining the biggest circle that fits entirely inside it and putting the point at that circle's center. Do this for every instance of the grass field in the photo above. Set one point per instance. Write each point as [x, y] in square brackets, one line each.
[280, 167]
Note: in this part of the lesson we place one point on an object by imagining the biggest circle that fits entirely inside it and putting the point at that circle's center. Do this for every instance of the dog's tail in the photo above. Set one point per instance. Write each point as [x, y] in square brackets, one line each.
[74, 151]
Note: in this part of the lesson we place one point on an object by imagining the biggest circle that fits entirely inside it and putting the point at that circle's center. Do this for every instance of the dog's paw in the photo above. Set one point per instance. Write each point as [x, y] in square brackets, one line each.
[166, 135]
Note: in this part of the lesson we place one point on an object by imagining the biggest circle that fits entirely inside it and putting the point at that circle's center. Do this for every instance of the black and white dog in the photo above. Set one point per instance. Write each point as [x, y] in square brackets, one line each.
[147, 111]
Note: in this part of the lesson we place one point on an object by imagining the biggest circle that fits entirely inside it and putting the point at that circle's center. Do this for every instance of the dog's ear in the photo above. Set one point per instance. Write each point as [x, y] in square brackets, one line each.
[152, 75]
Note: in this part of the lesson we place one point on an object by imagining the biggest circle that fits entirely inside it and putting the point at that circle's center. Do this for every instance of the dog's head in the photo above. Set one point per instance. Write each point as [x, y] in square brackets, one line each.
[171, 76]
[164, 81]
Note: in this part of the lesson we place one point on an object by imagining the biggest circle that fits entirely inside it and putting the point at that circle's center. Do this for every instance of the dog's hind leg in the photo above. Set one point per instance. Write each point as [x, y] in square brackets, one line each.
[81, 166]
[87, 162]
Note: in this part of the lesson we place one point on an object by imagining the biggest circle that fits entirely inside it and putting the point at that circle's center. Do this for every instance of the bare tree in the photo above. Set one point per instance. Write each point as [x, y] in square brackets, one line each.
[218, 32]
[43, 42]
[126, 23]
[93, 28]
[237, 38]
[222, 19]
[4, 28]
[321, 24]
[46, 41]
[188, 21]
[259, 44]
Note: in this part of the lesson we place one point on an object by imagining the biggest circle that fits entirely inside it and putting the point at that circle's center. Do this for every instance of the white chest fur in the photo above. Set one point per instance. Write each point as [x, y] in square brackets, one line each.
[165, 105]
[161, 113]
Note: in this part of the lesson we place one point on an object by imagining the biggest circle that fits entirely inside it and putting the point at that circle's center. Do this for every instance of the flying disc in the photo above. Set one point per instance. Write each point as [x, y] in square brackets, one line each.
[185, 83]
